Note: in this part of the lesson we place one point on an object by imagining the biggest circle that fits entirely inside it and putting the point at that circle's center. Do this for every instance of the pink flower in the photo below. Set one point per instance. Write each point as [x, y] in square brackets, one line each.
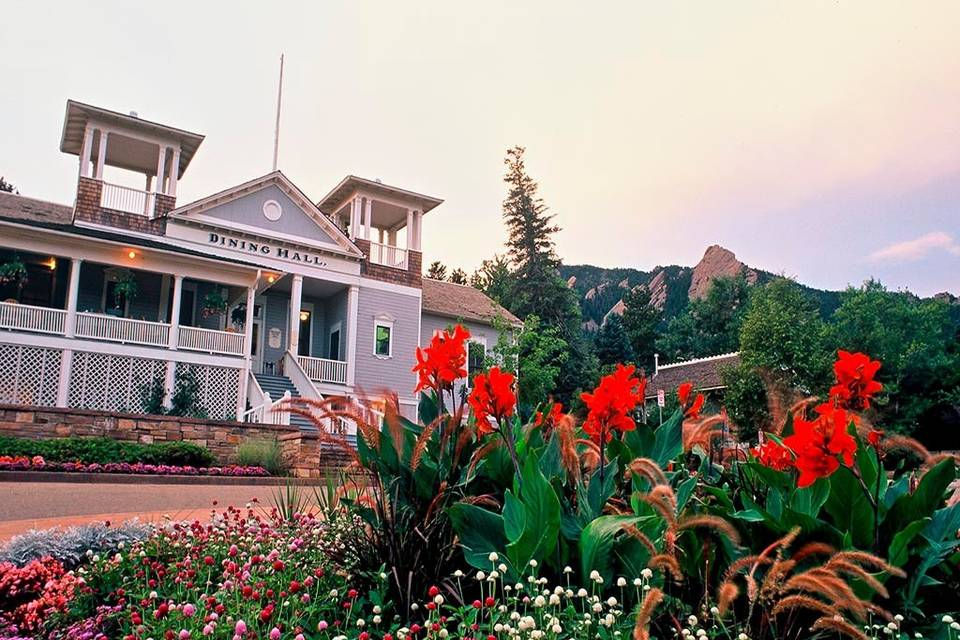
[189, 610]
[184, 634]
[240, 628]
[274, 634]
[322, 625]
[207, 629]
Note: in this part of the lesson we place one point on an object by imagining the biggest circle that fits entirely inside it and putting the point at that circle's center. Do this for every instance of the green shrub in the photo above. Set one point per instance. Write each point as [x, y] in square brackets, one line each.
[106, 450]
[262, 453]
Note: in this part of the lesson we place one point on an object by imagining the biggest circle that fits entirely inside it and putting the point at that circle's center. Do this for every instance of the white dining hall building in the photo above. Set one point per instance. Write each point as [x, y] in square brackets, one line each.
[255, 293]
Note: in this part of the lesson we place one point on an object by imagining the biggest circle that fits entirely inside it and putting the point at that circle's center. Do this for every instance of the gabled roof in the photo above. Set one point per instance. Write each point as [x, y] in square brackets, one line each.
[279, 180]
[78, 114]
[459, 301]
[58, 218]
[339, 194]
[704, 373]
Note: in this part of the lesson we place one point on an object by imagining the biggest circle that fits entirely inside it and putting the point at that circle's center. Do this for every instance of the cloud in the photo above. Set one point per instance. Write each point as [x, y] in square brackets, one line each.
[915, 249]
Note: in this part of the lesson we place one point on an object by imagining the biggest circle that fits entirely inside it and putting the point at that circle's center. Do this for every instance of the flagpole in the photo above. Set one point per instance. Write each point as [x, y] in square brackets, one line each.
[276, 131]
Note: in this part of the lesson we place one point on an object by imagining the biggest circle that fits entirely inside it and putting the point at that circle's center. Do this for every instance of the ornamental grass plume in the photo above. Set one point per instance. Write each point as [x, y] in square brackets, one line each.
[792, 585]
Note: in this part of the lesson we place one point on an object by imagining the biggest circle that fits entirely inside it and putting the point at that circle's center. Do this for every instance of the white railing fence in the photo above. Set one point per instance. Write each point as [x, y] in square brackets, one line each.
[323, 369]
[211, 341]
[388, 255]
[27, 317]
[125, 330]
[270, 411]
[126, 199]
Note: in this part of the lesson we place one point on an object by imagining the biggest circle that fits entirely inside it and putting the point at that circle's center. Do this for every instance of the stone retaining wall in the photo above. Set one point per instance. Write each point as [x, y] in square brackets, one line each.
[302, 451]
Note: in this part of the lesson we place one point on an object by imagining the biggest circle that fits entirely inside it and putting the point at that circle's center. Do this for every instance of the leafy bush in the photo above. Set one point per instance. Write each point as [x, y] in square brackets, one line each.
[106, 450]
[69, 546]
[262, 453]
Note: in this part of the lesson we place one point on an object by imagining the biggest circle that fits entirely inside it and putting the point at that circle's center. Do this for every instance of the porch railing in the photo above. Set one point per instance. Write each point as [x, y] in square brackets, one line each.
[127, 199]
[388, 255]
[211, 341]
[125, 330]
[270, 411]
[324, 370]
[25, 317]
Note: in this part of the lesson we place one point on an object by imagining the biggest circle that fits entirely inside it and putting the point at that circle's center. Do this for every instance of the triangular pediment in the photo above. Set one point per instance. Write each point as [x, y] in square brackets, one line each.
[272, 207]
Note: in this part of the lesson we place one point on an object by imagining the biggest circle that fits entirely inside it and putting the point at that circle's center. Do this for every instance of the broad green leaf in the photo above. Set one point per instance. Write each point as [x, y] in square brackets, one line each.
[899, 552]
[514, 516]
[542, 517]
[480, 532]
[668, 440]
[810, 500]
[749, 515]
[596, 543]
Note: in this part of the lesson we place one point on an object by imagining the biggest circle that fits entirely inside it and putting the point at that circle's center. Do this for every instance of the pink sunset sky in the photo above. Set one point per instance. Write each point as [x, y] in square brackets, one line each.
[817, 139]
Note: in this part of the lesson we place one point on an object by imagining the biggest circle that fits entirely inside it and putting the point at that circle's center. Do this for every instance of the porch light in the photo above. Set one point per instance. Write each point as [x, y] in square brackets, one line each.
[131, 254]
[271, 278]
[52, 263]
[304, 316]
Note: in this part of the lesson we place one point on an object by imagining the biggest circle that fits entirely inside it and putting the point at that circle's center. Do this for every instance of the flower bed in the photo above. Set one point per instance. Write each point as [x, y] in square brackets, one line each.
[37, 463]
[593, 526]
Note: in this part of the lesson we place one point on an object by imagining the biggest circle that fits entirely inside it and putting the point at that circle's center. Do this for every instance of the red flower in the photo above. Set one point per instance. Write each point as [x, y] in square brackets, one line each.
[873, 437]
[443, 361]
[553, 415]
[855, 384]
[611, 403]
[492, 398]
[818, 443]
[772, 454]
[683, 394]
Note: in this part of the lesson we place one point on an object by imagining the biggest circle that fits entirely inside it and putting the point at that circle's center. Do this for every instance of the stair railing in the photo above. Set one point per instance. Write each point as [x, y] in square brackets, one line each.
[269, 411]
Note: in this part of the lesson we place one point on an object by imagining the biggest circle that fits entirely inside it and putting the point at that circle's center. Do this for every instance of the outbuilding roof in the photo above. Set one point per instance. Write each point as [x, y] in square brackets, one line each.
[464, 302]
[704, 373]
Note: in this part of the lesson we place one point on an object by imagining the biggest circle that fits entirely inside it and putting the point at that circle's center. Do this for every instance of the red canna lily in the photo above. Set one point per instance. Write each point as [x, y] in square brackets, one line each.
[818, 443]
[443, 361]
[492, 398]
[612, 402]
[855, 384]
[683, 395]
[774, 455]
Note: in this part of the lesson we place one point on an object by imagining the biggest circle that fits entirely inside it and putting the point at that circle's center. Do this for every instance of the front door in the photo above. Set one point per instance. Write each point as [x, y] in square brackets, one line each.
[256, 337]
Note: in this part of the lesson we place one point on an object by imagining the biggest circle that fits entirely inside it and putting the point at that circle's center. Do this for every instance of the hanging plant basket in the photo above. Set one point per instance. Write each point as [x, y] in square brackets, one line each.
[238, 317]
[125, 286]
[13, 272]
[214, 304]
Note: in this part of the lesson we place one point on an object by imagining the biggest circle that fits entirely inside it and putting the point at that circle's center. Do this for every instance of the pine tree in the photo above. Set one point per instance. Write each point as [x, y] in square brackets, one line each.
[612, 343]
[640, 321]
[538, 288]
[494, 278]
[458, 276]
[437, 270]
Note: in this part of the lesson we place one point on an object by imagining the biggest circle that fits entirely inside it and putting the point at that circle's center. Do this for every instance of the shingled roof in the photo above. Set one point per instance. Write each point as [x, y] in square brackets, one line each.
[17, 207]
[704, 373]
[464, 302]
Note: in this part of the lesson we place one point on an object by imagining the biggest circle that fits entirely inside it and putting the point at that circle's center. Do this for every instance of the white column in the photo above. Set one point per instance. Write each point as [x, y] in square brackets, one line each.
[174, 172]
[296, 300]
[102, 154]
[391, 246]
[73, 293]
[63, 384]
[354, 218]
[368, 217]
[409, 228]
[413, 231]
[161, 163]
[175, 312]
[247, 352]
[85, 152]
[353, 298]
[169, 383]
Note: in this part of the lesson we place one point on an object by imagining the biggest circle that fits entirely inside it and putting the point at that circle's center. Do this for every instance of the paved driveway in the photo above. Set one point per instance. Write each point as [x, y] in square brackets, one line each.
[38, 505]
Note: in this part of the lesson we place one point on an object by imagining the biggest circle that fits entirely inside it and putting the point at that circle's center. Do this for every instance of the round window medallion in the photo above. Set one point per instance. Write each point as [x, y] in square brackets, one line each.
[272, 210]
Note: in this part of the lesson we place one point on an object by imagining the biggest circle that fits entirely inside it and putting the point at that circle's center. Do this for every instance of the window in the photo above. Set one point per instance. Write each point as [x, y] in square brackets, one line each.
[334, 348]
[476, 357]
[383, 339]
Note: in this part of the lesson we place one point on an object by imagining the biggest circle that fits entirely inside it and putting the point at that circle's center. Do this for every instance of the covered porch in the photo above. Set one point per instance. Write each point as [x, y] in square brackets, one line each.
[119, 303]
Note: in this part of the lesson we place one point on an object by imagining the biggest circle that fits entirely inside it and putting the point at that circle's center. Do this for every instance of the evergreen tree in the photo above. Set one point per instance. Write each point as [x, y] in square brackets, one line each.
[640, 321]
[437, 270]
[494, 279]
[612, 343]
[458, 276]
[537, 287]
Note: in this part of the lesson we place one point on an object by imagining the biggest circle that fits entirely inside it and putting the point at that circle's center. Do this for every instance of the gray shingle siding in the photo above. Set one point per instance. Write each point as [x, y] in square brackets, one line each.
[392, 374]
[248, 210]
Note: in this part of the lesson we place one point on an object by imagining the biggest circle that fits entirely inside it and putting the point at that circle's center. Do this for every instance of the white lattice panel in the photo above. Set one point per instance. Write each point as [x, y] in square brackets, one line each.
[110, 382]
[219, 389]
[29, 375]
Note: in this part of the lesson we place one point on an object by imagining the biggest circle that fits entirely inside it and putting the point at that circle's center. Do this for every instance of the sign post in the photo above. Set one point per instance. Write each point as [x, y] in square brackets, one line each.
[661, 403]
